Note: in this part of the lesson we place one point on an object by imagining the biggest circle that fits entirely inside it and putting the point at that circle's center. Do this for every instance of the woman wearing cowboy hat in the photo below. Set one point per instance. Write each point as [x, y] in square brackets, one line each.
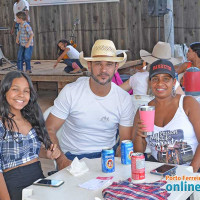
[139, 81]
[176, 125]
[92, 109]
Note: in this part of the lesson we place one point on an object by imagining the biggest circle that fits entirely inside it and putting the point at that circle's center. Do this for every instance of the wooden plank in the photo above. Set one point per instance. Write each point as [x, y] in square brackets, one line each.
[44, 72]
[126, 23]
[131, 63]
[179, 21]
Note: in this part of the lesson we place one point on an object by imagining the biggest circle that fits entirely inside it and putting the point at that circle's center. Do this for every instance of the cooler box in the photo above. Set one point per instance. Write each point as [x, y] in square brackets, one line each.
[192, 81]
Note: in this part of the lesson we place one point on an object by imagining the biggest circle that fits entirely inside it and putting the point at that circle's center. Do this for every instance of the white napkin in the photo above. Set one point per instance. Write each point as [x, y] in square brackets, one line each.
[97, 198]
[77, 167]
[26, 194]
[97, 183]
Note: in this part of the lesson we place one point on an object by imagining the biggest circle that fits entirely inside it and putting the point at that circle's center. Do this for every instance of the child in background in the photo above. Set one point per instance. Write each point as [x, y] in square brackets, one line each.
[25, 41]
[138, 82]
[70, 56]
[118, 81]
[22, 130]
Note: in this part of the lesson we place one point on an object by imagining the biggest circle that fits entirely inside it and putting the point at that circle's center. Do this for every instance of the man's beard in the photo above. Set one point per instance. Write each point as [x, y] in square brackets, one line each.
[104, 83]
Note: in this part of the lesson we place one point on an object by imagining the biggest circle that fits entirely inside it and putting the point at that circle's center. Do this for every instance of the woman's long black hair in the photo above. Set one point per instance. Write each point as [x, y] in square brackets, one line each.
[196, 48]
[65, 42]
[31, 112]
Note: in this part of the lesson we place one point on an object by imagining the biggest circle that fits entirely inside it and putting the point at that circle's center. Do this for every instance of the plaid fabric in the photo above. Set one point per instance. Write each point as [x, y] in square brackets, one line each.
[24, 36]
[19, 149]
[127, 190]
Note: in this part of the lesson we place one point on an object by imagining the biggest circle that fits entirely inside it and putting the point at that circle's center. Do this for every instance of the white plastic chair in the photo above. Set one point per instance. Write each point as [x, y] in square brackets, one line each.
[139, 100]
[45, 115]
[58, 134]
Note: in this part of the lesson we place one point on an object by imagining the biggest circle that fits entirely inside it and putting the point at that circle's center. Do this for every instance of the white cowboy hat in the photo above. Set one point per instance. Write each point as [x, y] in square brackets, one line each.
[103, 50]
[161, 50]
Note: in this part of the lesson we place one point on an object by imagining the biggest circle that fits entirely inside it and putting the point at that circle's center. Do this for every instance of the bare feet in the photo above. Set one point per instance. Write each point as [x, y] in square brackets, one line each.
[76, 68]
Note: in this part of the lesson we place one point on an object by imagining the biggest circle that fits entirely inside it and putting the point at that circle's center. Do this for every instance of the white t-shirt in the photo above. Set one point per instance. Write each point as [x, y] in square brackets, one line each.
[73, 53]
[91, 121]
[20, 6]
[139, 83]
[176, 142]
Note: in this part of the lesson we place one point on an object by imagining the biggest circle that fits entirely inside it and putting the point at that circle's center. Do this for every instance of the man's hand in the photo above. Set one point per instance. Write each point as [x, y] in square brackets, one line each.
[118, 151]
[63, 162]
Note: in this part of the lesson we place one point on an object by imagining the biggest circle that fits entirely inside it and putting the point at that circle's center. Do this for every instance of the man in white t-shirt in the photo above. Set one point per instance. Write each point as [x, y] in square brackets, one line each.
[19, 5]
[92, 109]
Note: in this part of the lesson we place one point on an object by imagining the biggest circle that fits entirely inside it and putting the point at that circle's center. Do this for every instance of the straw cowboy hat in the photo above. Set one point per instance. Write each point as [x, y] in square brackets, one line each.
[103, 50]
[161, 50]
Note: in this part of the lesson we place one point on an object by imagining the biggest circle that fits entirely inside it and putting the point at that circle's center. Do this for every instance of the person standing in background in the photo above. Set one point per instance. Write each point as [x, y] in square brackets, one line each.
[19, 5]
[25, 41]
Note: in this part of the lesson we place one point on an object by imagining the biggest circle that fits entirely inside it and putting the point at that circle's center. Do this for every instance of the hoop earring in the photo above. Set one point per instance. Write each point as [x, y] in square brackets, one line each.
[149, 92]
[173, 91]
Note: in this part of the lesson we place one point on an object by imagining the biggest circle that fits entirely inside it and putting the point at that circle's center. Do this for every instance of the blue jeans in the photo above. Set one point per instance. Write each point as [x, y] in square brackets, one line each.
[24, 54]
[69, 62]
[87, 155]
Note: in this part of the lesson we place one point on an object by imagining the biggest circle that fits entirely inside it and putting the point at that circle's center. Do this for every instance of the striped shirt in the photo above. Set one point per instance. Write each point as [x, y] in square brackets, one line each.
[18, 149]
[131, 191]
[25, 33]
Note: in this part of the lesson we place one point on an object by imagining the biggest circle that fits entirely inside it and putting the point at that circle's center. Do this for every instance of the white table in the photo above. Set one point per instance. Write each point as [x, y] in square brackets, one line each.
[71, 190]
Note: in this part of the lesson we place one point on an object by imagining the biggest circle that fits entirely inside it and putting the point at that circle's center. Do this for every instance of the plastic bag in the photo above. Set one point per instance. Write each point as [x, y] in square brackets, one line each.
[180, 50]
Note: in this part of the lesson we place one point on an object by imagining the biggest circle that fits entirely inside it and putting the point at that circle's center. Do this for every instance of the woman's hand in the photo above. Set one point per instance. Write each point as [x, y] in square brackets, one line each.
[55, 65]
[53, 152]
[138, 136]
[140, 129]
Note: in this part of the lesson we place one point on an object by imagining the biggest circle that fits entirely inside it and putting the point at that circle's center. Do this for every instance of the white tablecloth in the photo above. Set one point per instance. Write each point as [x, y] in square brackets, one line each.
[70, 189]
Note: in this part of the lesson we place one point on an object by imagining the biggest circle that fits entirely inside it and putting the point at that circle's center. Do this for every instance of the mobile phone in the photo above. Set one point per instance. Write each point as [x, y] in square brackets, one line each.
[164, 170]
[48, 182]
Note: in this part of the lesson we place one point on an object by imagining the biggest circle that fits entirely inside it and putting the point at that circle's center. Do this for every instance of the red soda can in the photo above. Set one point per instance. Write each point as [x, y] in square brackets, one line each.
[138, 166]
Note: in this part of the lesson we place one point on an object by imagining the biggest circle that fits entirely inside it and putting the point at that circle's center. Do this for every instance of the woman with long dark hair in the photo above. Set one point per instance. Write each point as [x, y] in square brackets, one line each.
[22, 131]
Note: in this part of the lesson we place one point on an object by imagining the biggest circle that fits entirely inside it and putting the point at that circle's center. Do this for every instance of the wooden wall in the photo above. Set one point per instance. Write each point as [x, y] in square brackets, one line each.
[126, 23]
